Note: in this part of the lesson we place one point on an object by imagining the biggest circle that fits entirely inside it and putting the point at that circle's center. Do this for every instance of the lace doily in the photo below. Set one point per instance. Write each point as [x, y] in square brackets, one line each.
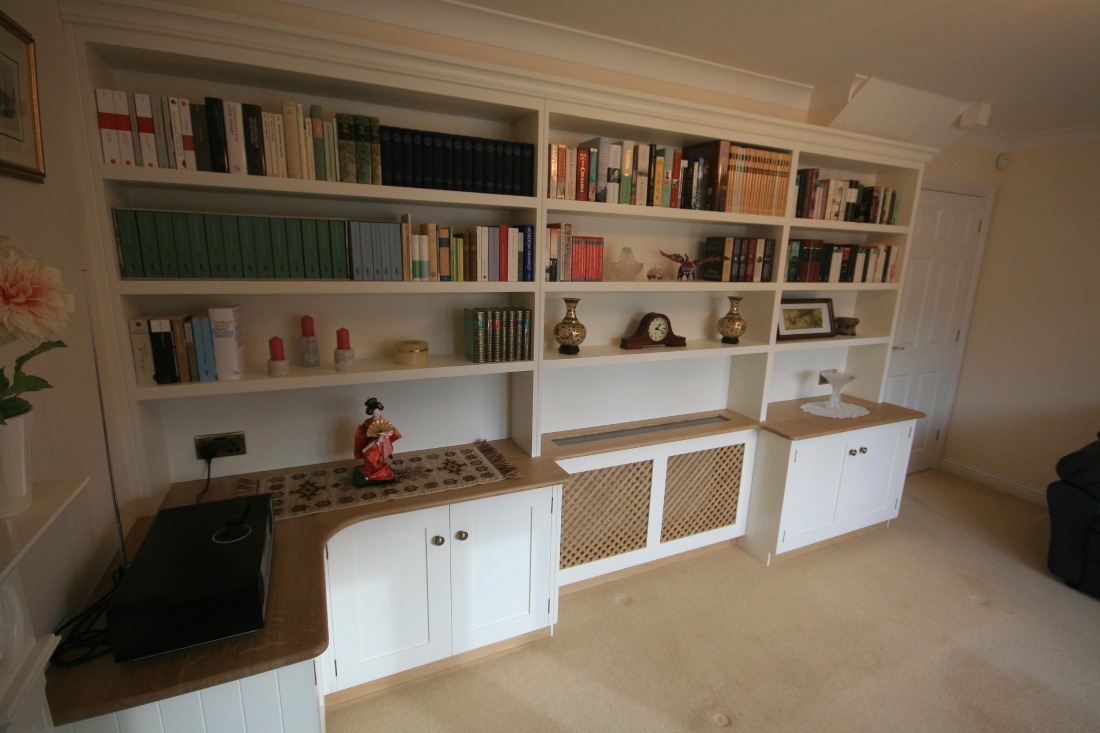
[844, 409]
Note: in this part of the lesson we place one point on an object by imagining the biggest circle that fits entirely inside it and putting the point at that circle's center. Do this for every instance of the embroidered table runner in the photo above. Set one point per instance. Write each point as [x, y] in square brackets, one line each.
[296, 493]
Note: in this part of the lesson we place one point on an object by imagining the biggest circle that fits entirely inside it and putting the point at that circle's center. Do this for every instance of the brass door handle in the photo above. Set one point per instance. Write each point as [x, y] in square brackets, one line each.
[863, 449]
[437, 540]
[852, 452]
[461, 536]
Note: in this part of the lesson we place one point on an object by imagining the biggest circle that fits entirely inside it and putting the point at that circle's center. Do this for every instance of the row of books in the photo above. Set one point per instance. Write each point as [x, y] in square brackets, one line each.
[181, 348]
[714, 176]
[390, 251]
[815, 261]
[571, 257]
[497, 334]
[839, 200]
[742, 259]
[216, 135]
[162, 244]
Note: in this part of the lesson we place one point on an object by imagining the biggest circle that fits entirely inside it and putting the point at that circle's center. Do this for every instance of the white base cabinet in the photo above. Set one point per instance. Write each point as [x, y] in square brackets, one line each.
[816, 489]
[413, 588]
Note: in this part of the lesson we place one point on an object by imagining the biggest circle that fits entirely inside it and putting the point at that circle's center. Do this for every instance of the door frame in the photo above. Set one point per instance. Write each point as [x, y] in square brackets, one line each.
[989, 193]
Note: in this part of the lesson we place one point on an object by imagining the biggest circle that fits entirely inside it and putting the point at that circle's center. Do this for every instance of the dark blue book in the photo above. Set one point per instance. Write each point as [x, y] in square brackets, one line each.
[215, 126]
[386, 150]
[253, 123]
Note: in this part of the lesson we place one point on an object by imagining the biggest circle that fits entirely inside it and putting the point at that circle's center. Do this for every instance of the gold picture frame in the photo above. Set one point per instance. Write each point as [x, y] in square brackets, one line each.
[20, 125]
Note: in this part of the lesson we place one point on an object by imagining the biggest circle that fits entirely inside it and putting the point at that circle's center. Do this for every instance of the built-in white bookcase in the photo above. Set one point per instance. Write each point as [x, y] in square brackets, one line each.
[309, 416]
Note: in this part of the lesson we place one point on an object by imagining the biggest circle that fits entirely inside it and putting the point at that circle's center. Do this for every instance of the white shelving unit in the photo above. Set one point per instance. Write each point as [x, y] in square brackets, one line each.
[308, 416]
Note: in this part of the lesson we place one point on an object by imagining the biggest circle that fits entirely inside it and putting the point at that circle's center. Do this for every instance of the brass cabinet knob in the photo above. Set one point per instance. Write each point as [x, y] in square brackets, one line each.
[852, 452]
[863, 449]
[437, 540]
[461, 536]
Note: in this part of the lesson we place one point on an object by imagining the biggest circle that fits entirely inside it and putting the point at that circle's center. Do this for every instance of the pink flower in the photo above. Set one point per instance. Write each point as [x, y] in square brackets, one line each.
[33, 302]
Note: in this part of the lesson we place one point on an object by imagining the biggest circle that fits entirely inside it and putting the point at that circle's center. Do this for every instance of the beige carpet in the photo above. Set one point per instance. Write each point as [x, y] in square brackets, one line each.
[946, 621]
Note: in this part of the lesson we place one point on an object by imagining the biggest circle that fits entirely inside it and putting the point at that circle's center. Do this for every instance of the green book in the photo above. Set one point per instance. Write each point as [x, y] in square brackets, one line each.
[261, 235]
[129, 244]
[249, 263]
[474, 331]
[279, 256]
[231, 243]
[362, 149]
[295, 254]
[196, 235]
[185, 261]
[345, 148]
[324, 249]
[318, 136]
[375, 152]
[310, 256]
[166, 244]
[215, 249]
[147, 237]
[338, 240]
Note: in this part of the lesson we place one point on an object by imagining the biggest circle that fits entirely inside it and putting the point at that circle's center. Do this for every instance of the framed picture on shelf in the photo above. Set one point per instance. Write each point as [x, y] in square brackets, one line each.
[803, 318]
[20, 127]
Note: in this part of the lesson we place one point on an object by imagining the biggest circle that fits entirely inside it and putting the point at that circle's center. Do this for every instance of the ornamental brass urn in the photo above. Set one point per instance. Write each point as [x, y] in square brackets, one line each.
[732, 326]
[570, 332]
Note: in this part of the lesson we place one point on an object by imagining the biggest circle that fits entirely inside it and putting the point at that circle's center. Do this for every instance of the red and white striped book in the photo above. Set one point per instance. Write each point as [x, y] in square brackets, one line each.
[122, 126]
[108, 127]
[146, 131]
[187, 136]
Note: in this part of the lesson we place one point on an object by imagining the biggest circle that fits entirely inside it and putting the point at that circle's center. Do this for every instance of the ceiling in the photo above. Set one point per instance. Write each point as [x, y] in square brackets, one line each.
[1037, 62]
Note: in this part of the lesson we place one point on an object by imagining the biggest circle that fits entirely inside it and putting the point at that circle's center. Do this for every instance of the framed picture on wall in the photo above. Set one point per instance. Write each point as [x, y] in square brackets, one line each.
[803, 318]
[20, 127]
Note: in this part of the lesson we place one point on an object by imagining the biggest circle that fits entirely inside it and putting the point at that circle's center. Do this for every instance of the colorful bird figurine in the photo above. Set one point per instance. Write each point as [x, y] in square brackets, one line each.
[687, 267]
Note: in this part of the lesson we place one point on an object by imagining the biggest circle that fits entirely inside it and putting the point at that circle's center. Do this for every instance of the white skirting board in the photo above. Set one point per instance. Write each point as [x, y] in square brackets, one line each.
[285, 700]
[1030, 493]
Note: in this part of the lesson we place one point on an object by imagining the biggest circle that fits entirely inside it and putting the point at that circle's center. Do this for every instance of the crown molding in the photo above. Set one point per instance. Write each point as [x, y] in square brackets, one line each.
[1004, 143]
[210, 34]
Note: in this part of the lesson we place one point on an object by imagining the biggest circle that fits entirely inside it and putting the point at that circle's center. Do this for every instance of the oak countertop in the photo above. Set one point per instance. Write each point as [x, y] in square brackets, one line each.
[788, 419]
[296, 624]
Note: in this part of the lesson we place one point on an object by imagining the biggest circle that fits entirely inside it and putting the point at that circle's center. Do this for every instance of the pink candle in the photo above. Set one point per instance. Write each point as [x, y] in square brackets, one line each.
[307, 326]
[275, 344]
[343, 339]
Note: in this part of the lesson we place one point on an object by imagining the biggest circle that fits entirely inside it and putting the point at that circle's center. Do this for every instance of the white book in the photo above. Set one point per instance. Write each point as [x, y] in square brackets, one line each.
[177, 131]
[234, 139]
[142, 349]
[228, 342]
[161, 139]
[122, 124]
[861, 262]
[290, 129]
[108, 128]
[836, 262]
[267, 129]
[280, 147]
[571, 174]
[513, 254]
[187, 137]
[146, 131]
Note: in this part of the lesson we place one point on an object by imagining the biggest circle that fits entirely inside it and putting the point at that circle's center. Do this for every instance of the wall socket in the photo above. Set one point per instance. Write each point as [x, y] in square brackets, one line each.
[225, 444]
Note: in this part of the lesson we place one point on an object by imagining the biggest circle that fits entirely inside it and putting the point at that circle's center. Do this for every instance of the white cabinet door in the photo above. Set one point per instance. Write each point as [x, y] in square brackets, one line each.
[867, 484]
[812, 499]
[390, 595]
[500, 572]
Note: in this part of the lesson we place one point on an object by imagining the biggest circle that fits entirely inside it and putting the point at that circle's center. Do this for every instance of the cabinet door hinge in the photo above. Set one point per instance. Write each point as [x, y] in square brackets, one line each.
[795, 456]
[326, 552]
[548, 605]
[784, 536]
[896, 502]
[335, 669]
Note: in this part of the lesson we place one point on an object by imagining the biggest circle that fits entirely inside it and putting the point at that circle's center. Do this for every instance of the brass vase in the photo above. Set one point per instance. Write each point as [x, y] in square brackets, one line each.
[732, 326]
[570, 332]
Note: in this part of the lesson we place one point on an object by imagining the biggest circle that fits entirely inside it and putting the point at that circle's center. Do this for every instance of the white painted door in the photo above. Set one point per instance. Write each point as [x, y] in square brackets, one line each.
[390, 595]
[811, 498]
[500, 572]
[939, 283]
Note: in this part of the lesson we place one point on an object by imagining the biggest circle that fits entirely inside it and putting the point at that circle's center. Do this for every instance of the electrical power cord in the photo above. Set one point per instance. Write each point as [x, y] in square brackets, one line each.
[207, 453]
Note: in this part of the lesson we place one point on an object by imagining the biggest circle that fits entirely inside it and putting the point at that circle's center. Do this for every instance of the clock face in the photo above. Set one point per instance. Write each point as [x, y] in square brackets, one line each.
[658, 328]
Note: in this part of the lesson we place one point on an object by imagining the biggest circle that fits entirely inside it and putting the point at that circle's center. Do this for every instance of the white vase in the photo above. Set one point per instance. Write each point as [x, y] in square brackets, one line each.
[15, 465]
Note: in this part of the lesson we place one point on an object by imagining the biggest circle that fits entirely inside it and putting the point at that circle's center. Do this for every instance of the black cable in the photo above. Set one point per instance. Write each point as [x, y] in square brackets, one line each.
[86, 641]
[207, 452]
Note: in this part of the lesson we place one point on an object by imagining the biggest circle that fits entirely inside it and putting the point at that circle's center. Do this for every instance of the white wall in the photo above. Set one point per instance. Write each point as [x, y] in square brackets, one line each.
[46, 220]
[1029, 390]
